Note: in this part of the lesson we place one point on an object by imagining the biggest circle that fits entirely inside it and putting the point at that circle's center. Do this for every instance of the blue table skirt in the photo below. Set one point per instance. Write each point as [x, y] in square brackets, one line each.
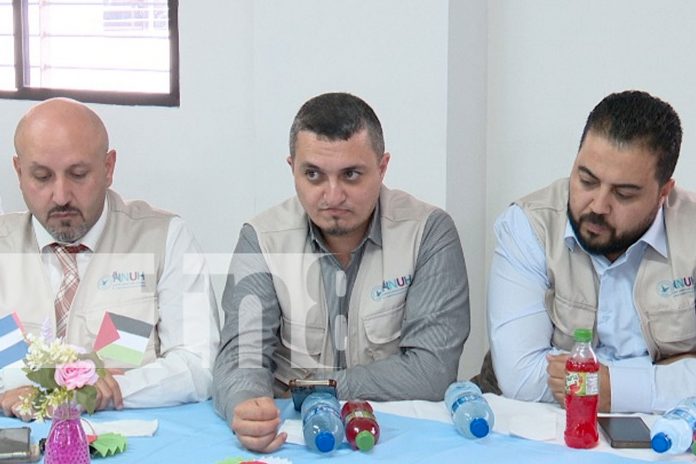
[194, 433]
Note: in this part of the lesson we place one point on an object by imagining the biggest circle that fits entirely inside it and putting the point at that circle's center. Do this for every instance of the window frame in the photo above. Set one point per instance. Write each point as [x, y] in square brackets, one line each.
[21, 49]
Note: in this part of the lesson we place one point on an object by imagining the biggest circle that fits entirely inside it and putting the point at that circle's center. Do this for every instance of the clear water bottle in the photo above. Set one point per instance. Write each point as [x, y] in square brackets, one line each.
[470, 411]
[321, 422]
[673, 432]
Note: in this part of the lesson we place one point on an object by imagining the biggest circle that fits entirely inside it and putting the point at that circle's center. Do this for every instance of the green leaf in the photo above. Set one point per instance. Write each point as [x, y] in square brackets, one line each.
[44, 377]
[108, 444]
[87, 397]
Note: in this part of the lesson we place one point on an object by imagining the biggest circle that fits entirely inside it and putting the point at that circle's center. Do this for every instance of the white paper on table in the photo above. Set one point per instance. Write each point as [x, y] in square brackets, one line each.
[128, 428]
[293, 427]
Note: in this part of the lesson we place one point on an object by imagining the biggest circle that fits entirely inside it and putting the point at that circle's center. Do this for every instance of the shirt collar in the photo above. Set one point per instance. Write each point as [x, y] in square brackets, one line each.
[655, 236]
[90, 239]
[374, 232]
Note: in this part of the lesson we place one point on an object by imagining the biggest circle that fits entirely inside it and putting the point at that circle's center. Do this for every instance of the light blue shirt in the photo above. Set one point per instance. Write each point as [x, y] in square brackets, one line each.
[520, 329]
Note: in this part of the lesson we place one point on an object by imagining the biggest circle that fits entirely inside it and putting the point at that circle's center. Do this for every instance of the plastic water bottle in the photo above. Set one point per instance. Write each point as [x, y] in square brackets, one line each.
[470, 411]
[362, 429]
[321, 422]
[582, 393]
[673, 432]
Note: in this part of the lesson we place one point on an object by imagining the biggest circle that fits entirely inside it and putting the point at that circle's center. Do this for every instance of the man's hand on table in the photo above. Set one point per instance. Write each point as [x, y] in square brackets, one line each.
[11, 399]
[557, 375]
[108, 390]
[256, 423]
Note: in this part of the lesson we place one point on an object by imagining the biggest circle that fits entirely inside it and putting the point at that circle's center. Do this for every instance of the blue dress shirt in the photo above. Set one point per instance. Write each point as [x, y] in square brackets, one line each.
[520, 329]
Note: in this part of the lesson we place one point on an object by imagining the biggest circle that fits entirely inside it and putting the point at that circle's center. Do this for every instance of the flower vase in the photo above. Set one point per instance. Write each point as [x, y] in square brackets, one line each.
[66, 442]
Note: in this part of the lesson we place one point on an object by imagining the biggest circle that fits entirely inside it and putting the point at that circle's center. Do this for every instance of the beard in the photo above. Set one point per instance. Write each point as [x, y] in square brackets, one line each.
[335, 230]
[615, 244]
[66, 231]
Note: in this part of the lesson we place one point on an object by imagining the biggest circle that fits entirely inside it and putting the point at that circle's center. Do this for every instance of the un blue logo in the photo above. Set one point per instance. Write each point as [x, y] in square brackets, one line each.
[664, 288]
[104, 283]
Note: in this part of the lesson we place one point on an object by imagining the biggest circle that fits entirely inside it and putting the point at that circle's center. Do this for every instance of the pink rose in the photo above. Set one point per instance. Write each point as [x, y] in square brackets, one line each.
[76, 374]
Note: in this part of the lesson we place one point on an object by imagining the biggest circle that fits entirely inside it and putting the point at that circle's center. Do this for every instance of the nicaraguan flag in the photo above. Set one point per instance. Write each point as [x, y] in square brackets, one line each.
[13, 347]
[123, 339]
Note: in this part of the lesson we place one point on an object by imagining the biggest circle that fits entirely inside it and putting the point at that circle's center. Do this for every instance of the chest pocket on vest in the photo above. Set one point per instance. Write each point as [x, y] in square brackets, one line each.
[674, 331]
[304, 337]
[383, 332]
[568, 315]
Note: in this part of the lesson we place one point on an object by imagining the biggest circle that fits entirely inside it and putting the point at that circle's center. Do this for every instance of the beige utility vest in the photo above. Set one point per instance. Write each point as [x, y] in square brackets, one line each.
[378, 297]
[663, 292]
[121, 277]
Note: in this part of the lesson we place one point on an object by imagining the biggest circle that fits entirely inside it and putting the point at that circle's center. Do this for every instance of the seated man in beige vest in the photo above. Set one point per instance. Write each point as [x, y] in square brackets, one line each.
[611, 249]
[82, 256]
[348, 280]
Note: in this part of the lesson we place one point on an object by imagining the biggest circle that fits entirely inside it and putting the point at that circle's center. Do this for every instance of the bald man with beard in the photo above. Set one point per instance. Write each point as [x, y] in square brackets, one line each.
[129, 262]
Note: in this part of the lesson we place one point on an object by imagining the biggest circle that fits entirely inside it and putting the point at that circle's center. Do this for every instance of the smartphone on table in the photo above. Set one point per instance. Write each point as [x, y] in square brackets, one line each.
[300, 389]
[625, 431]
[15, 445]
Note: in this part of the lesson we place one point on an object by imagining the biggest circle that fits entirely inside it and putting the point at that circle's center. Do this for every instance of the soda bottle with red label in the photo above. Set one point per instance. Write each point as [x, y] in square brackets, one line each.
[362, 429]
[582, 393]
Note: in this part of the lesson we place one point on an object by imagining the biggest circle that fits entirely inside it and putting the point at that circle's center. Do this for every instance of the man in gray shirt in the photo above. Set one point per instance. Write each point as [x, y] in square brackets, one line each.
[348, 280]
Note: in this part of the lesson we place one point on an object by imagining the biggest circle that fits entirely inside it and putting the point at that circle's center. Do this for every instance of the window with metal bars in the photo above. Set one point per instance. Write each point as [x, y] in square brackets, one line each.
[99, 51]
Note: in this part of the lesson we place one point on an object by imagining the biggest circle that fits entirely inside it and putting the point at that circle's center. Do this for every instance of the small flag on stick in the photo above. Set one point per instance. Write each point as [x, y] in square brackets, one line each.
[13, 347]
[122, 338]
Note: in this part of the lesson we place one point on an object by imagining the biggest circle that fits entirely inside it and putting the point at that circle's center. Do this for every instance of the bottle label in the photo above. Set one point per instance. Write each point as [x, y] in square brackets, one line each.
[320, 409]
[582, 383]
[359, 413]
[465, 398]
[684, 414]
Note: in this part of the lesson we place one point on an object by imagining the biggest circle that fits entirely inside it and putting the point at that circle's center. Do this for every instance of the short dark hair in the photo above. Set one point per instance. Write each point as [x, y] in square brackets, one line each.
[337, 116]
[636, 117]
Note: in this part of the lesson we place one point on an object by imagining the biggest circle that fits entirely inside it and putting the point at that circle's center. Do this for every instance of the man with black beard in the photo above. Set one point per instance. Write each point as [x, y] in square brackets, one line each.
[609, 249]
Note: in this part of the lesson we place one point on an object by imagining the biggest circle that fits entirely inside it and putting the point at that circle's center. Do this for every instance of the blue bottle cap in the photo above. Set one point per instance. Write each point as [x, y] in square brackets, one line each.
[479, 427]
[661, 442]
[325, 442]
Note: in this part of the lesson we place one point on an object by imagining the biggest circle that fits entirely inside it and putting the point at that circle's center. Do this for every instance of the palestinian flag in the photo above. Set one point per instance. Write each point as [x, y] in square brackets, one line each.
[123, 339]
[13, 347]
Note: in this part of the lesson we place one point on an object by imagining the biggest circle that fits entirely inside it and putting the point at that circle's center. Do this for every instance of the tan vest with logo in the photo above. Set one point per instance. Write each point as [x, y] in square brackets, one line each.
[663, 292]
[121, 277]
[378, 297]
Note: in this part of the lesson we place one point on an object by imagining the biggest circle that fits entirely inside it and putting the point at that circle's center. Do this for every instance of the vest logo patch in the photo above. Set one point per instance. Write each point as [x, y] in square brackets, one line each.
[119, 280]
[676, 287]
[391, 287]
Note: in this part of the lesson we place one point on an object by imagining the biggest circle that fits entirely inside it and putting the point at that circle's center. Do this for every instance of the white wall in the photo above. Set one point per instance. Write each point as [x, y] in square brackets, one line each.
[466, 159]
[551, 61]
[246, 67]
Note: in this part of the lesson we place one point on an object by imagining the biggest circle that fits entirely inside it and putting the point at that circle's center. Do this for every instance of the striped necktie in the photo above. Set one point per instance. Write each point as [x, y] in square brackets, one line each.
[68, 287]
